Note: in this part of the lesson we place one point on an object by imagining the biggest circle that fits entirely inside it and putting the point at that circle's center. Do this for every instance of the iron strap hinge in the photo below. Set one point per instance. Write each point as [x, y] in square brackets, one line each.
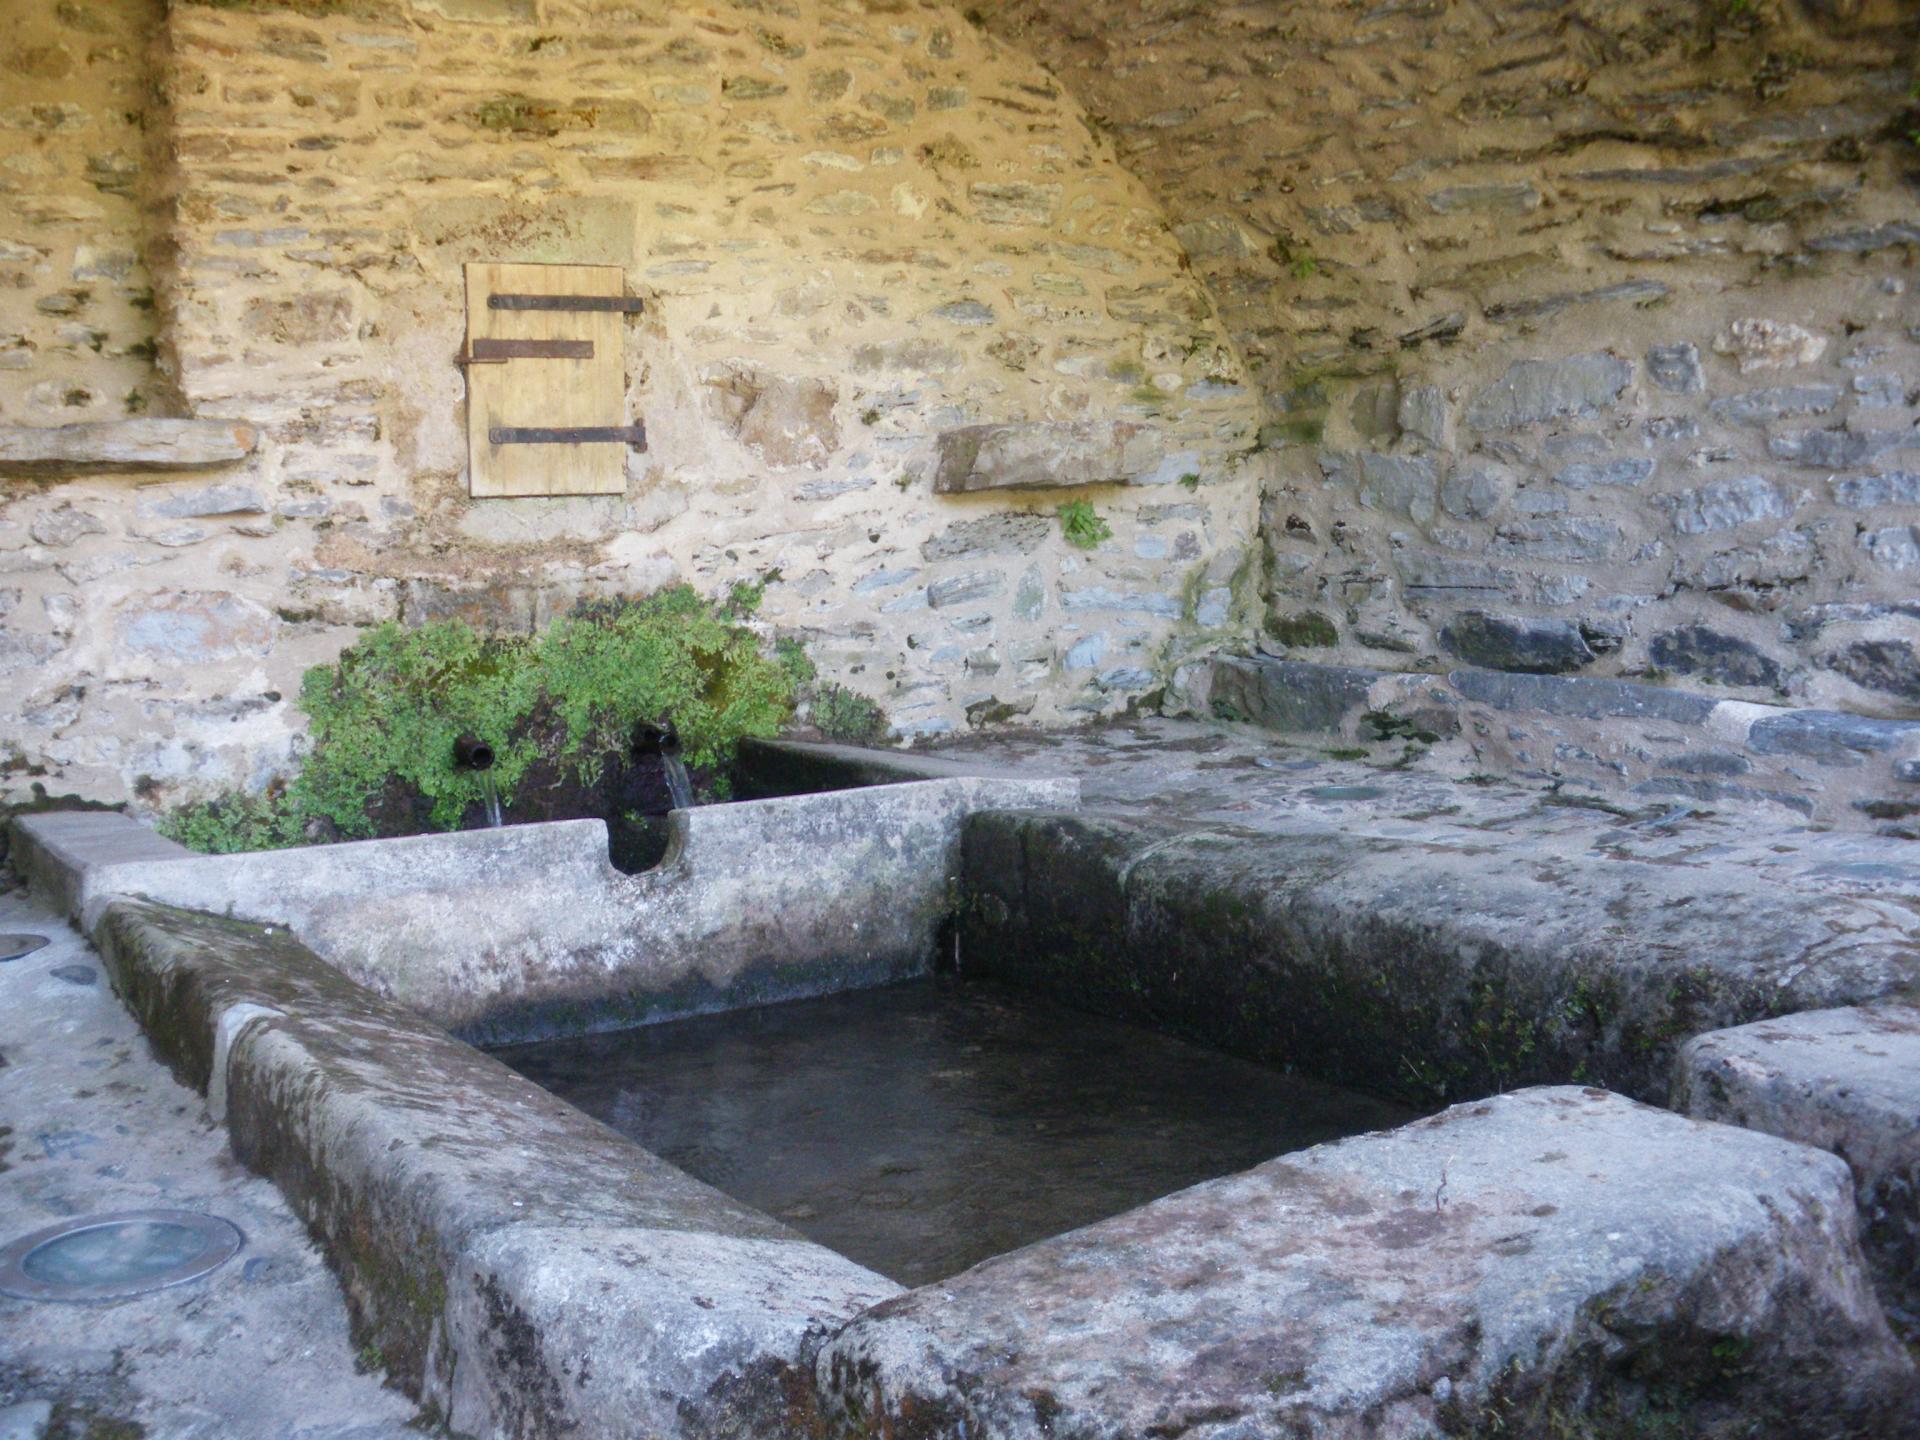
[625, 304]
[634, 435]
[498, 352]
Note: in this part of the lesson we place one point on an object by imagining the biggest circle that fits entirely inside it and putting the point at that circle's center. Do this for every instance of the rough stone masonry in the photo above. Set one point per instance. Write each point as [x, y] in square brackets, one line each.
[1567, 339]
[1586, 332]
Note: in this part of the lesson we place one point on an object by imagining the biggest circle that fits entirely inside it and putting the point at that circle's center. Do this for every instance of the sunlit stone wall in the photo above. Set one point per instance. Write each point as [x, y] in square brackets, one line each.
[881, 251]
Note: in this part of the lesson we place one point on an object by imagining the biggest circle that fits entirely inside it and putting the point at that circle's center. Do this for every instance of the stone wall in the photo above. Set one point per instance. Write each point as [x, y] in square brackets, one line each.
[863, 232]
[1586, 331]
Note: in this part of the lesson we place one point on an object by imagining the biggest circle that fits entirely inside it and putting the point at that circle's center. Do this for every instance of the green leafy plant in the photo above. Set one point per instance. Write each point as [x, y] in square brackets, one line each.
[387, 713]
[270, 821]
[1082, 526]
[850, 718]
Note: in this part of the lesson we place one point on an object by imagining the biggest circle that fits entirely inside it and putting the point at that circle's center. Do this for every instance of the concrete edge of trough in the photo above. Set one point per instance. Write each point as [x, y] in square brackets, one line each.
[528, 931]
[522, 1269]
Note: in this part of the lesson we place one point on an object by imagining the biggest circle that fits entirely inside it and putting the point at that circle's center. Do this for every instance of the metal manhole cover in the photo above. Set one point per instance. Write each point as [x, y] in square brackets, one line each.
[18, 943]
[110, 1257]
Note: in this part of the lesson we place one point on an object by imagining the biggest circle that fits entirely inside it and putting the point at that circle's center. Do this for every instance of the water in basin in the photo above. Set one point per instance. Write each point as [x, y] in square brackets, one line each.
[921, 1128]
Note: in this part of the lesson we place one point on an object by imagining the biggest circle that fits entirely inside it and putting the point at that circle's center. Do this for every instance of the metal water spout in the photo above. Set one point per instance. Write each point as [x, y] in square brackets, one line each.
[473, 754]
[663, 740]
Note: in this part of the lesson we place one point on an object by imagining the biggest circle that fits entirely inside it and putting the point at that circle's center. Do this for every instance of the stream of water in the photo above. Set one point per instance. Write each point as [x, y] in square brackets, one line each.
[678, 786]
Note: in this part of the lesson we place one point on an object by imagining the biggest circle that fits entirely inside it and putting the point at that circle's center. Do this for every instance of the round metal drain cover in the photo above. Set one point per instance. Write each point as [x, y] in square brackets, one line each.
[1344, 792]
[109, 1257]
[16, 944]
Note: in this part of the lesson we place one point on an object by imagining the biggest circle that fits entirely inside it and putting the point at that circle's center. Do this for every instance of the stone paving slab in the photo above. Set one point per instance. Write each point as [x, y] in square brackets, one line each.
[1555, 1261]
[1400, 931]
[90, 1122]
[1845, 1080]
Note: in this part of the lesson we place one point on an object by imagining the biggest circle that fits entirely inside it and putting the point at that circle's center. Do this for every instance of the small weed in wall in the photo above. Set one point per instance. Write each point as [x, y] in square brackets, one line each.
[1082, 526]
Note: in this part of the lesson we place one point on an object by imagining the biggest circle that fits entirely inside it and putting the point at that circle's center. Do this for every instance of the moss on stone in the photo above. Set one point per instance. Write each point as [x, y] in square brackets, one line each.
[1306, 630]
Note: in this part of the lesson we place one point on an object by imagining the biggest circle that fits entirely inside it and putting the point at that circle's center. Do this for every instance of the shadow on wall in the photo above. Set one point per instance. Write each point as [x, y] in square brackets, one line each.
[1586, 335]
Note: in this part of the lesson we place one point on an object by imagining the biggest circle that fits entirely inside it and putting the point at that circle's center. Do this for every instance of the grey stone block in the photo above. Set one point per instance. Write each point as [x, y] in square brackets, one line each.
[1830, 737]
[161, 444]
[1758, 407]
[1728, 504]
[1609, 473]
[1889, 666]
[1511, 642]
[1847, 1081]
[1407, 960]
[1536, 390]
[1289, 695]
[1502, 1266]
[1712, 656]
[1864, 492]
[1836, 449]
[1044, 456]
[1676, 368]
[1577, 695]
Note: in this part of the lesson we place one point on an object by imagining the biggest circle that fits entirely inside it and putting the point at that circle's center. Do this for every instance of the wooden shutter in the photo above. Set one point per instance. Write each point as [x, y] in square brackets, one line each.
[546, 401]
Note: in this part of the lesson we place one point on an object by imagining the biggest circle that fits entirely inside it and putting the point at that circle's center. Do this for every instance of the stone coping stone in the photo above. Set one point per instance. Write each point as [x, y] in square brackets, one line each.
[527, 931]
[802, 767]
[156, 444]
[1846, 1080]
[55, 851]
[1552, 1262]
[1422, 961]
[522, 1269]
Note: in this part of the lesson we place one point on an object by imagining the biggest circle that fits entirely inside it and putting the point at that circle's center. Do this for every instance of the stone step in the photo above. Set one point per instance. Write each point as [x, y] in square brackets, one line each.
[1555, 1261]
[1848, 1081]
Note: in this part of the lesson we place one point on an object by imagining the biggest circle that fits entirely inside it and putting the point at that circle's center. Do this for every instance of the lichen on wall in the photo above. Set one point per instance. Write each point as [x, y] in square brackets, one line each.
[1587, 332]
[857, 228]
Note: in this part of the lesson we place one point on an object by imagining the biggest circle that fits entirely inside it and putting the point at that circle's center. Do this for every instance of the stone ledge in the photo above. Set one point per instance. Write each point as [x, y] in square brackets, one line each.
[520, 1267]
[1847, 1081]
[1666, 746]
[1551, 1257]
[801, 767]
[1042, 456]
[159, 444]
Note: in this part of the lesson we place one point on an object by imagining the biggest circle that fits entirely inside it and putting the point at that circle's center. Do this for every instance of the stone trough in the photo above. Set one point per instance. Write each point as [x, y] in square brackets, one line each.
[1555, 1256]
[528, 930]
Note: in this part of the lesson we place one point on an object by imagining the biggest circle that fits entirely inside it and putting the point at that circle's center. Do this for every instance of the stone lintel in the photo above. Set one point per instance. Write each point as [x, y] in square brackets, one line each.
[1044, 456]
[159, 444]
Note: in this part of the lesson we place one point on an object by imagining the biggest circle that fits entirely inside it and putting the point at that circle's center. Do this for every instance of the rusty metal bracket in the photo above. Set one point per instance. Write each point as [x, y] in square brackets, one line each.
[498, 352]
[634, 435]
[626, 304]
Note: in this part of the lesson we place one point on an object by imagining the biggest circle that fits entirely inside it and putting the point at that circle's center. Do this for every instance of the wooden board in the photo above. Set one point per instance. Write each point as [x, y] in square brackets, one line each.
[551, 394]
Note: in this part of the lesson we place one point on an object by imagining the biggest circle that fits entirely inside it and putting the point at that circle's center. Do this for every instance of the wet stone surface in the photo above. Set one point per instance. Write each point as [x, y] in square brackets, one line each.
[91, 1122]
[922, 1128]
